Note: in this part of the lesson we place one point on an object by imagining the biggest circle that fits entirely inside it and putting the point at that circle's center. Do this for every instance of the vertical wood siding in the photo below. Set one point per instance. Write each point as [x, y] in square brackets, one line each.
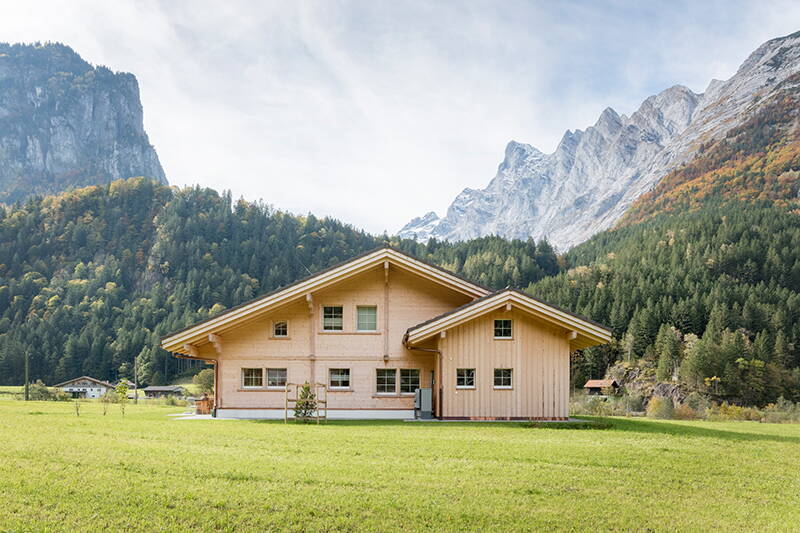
[538, 355]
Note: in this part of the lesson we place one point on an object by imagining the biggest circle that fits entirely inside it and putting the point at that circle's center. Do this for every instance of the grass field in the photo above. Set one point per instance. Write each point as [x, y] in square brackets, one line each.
[147, 472]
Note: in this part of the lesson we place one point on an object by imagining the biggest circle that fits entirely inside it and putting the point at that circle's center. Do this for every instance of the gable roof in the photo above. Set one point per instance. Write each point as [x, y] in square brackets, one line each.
[89, 378]
[600, 383]
[163, 388]
[587, 332]
[198, 332]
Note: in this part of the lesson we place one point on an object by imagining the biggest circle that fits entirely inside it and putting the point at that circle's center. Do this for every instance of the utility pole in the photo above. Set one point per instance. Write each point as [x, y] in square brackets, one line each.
[27, 373]
[136, 379]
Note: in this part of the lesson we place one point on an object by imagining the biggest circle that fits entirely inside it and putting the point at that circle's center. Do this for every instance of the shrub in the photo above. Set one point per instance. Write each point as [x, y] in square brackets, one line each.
[306, 403]
[697, 402]
[204, 380]
[726, 412]
[684, 412]
[660, 407]
[781, 412]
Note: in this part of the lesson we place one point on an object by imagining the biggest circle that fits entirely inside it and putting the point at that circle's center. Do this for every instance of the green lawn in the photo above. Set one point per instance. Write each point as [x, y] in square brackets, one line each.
[147, 472]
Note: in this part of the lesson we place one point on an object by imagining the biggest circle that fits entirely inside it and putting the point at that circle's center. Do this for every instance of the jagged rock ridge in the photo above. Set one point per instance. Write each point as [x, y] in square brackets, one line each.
[65, 123]
[593, 176]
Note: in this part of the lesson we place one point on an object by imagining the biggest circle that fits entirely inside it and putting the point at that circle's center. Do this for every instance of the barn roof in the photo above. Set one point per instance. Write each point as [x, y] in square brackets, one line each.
[600, 383]
[89, 378]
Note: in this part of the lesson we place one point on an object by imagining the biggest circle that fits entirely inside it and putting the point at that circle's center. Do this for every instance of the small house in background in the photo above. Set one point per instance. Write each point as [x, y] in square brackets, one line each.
[162, 391]
[596, 386]
[131, 385]
[85, 387]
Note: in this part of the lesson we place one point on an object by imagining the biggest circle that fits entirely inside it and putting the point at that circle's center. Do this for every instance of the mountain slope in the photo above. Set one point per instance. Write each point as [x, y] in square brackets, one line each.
[65, 123]
[591, 179]
[90, 278]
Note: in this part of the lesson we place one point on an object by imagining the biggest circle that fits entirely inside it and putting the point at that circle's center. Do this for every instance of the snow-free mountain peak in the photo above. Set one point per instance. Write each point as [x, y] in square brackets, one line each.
[594, 175]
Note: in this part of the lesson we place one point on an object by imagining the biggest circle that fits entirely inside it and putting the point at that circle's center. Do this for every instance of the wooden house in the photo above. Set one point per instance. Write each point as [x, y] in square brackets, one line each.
[381, 326]
[85, 387]
[597, 386]
[162, 391]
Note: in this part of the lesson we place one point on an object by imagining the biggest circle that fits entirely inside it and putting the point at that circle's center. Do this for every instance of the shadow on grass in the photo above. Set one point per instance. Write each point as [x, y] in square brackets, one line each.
[642, 425]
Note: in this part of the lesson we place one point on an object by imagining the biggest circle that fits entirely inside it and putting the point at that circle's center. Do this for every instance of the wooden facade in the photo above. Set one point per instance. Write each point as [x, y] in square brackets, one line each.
[405, 293]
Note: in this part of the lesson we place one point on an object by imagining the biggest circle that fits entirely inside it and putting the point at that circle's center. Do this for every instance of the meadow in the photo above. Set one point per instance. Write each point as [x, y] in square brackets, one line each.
[150, 472]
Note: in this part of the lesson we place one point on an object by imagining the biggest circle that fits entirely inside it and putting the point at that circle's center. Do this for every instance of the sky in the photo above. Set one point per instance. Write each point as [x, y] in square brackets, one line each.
[378, 111]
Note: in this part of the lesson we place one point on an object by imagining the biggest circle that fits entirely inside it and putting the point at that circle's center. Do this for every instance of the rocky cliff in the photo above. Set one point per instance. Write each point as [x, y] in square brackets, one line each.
[65, 123]
[593, 176]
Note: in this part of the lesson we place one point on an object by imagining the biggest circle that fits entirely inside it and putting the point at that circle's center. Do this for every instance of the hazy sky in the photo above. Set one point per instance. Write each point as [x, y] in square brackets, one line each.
[379, 111]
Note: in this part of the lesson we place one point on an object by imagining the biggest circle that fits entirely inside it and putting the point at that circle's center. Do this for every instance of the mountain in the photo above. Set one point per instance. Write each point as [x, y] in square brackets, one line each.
[65, 123]
[595, 175]
[91, 278]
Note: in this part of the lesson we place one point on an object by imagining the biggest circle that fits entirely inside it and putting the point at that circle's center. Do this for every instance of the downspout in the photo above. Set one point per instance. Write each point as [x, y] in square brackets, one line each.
[438, 353]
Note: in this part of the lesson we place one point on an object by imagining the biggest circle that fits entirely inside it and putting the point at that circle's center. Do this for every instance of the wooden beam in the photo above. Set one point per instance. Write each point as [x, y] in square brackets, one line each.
[385, 310]
[216, 340]
[572, 335]
[191, 350]
[443, 334]
[508, 306]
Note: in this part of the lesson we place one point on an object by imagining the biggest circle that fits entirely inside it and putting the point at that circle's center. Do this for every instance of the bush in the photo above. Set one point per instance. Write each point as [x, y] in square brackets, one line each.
[660, 407]
[204, 380]
[726, 412]
[781, 412]
[684, 412]
[697, 402]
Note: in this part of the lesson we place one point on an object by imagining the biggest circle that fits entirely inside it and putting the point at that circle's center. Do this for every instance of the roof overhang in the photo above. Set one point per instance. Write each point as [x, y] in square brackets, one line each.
[198, 334]
[580, 331]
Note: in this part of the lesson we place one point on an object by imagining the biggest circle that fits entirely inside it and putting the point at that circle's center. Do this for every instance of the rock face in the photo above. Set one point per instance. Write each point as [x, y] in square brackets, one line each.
[65, 123]
[594, 175]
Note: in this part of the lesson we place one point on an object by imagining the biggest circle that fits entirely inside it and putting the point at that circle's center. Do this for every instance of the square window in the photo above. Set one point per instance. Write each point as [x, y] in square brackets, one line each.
[339, 378]
[280, 329]
[252, 377]
[386, 381]
[332, 318]
[367, 318]
[465, 378]
[409, 380]
[276, 377]
[502, 378]
[502, 328]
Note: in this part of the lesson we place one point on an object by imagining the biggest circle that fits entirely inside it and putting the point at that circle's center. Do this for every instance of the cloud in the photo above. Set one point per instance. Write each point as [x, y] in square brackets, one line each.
[375, 112]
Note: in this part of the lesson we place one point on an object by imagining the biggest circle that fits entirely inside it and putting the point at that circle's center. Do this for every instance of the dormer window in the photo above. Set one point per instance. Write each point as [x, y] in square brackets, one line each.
[503, 329]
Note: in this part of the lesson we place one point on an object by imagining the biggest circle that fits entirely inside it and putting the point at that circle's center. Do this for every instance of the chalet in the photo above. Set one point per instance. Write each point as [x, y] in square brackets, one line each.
[382, 327]
[85, 387]
[162, 391]
[596, 386]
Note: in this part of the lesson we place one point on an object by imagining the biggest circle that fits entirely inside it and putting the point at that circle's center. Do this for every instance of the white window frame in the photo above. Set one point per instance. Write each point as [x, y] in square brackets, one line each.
[341, 325]
[252, 386]
[474, 379]
[349, 385]
[285, 379]
[419, 379]
[510, 327]
[396, 384]
[358, 309]
[510, 378]
[274, 326]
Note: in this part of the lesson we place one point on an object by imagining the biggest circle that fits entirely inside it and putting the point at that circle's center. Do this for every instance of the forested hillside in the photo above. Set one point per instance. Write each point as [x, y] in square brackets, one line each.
[90, 279]
[711, 297]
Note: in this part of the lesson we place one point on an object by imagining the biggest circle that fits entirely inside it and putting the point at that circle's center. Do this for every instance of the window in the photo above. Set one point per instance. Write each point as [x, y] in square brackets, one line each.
[280, 329]
[367, 318]
[502, 328]
[386, 381]
[276, 377]
[332, 318]
[465, 378]
[339, 377]
[252, 377]
[409, 380]
[502, 378]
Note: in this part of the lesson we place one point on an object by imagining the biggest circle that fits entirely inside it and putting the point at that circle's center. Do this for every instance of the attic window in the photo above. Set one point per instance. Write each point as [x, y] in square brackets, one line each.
[280, 329]
[502, 329]
[332, 318]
